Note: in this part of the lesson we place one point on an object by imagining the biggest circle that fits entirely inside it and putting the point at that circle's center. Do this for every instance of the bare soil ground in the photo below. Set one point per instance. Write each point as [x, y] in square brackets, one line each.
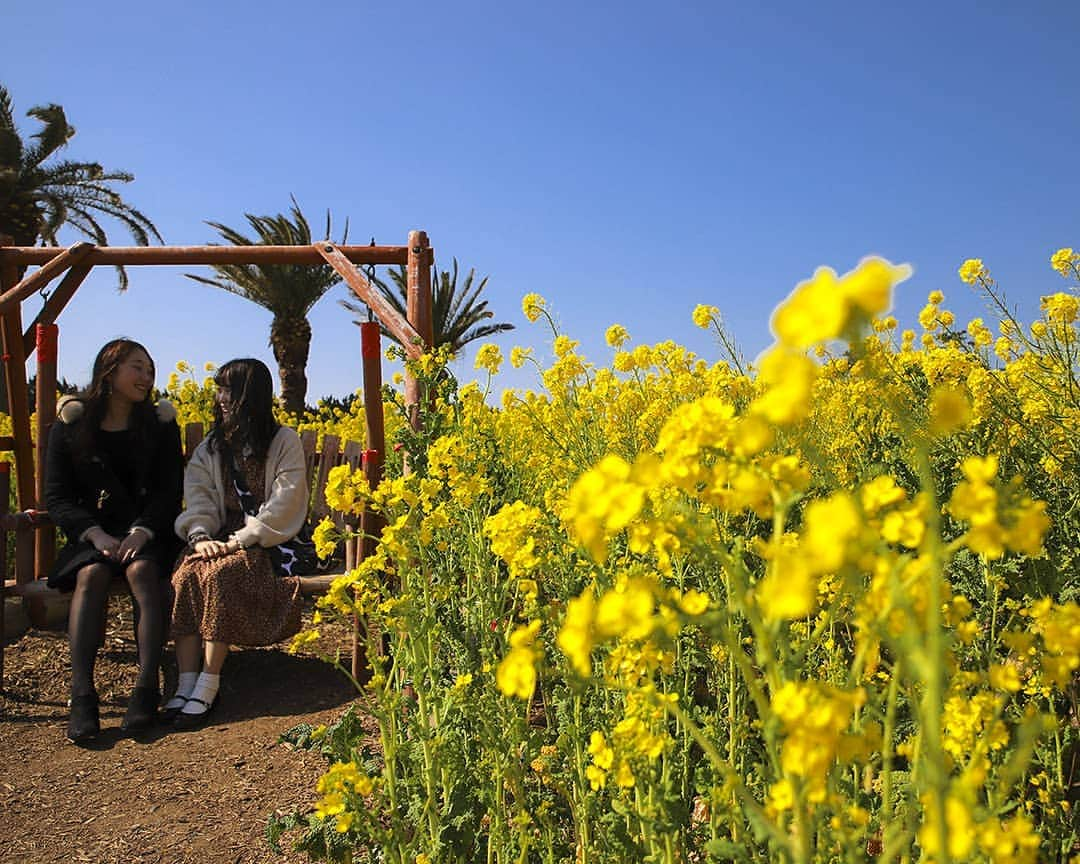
[162, 796]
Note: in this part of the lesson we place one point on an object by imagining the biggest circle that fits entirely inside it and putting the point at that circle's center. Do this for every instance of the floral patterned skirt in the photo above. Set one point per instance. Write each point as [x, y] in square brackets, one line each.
[237, 599]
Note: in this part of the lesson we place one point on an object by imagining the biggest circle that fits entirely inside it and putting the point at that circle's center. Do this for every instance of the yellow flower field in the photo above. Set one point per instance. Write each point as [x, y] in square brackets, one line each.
[820, 608]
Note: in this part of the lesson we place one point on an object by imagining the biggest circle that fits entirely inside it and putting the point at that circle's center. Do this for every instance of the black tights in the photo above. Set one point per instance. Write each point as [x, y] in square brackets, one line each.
[86, 620]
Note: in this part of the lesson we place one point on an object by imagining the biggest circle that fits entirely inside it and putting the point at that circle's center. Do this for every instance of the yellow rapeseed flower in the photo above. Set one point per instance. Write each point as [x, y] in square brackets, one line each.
[616, 335]
[516, 674]
[490, 358]
[1064, 260]
[532, 306]
[1060, 308]
[704, 315]
[972, 270]
[788, 378]
[577, 634]
[821, 308]
[950, 410]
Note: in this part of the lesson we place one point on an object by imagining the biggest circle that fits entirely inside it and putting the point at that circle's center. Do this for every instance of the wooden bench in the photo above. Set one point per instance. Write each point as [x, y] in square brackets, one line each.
[38, 598]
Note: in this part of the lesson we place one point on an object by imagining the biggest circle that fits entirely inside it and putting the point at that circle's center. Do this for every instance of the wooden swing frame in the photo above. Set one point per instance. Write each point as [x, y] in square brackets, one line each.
[35, 537]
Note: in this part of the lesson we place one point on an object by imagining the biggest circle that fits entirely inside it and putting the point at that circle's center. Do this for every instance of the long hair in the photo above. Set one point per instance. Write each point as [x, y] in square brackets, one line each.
[251, 420]
[95, 397]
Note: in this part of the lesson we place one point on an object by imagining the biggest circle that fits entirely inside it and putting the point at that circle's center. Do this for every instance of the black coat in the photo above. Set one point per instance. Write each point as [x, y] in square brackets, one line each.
[81, 492]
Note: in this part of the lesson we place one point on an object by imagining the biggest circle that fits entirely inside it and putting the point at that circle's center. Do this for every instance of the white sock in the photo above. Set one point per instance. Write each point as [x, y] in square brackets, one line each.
[184, 688]
[205, 689]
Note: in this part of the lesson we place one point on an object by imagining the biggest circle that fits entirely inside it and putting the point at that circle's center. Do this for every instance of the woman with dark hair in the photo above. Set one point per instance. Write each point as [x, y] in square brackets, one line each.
[113, 486]
[246, 494]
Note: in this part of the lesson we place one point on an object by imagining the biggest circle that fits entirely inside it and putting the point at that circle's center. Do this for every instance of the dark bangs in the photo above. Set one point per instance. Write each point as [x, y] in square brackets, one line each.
[251, 420]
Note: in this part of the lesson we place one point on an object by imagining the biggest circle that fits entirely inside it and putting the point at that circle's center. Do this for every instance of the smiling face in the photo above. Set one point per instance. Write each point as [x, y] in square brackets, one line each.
[133, 378]
[224, 399]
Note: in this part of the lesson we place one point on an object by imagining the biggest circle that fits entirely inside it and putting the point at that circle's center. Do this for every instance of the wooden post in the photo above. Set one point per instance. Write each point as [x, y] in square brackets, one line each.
[5, 490]
[18, 408]
[371, 353]
[418, 309]
[370, 523]
[45, 536]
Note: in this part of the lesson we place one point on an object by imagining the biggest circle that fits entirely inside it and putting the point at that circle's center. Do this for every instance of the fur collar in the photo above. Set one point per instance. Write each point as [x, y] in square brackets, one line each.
[70, 408]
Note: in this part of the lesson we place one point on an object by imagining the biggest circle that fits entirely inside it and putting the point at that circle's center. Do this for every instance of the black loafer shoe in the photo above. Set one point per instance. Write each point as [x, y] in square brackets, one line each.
[83, 722]
[168, 715]
[184, 720]
[142, 709]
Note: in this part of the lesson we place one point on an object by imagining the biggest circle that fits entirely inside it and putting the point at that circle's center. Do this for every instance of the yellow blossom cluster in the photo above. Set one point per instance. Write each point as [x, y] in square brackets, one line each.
[343, 781]
[512, 536]
[997, 518]
[814, 718]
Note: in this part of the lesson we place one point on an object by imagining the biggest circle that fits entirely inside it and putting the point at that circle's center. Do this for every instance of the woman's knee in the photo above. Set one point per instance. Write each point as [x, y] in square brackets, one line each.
[93, 578]
[143, 575]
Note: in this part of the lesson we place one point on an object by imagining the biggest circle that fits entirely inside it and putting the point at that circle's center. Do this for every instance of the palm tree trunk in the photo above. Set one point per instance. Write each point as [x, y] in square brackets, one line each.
[290, 338]
[21, 224]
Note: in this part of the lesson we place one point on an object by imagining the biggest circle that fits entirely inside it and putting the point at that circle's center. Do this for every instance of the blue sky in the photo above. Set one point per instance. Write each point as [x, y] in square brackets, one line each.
[625, 160]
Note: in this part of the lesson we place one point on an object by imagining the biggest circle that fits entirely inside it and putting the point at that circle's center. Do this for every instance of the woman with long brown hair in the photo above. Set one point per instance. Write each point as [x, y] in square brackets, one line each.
[245, 499]
[113, 483]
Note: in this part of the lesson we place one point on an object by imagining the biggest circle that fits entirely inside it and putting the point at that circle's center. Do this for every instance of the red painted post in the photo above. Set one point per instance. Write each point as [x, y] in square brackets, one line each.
[45, 538]
[371, 463]
[19, 410]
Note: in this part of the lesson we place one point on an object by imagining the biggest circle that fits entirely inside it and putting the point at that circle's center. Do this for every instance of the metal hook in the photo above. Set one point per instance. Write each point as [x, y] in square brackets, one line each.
[371, 279]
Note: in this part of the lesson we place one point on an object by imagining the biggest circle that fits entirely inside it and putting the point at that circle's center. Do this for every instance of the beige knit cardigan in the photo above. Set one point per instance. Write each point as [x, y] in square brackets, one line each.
[285, 495]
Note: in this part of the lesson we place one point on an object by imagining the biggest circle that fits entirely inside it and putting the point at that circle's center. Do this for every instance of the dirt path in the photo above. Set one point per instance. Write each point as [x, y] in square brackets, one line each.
[163, 796]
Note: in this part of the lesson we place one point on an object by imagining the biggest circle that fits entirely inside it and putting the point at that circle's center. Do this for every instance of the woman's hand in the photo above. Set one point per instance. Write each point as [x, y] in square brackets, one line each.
[132, 545]
[106, 544]
[215, 548]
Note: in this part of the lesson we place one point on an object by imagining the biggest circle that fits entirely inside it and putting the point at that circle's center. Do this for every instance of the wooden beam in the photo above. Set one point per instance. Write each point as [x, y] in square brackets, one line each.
[59, 298]
[403, 331]
[195, 255]
[52, 268]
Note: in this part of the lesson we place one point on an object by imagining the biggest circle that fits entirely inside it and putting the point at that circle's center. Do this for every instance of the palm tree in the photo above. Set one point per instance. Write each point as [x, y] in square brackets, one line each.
[288, 291]
[456, 315]
[38, 199]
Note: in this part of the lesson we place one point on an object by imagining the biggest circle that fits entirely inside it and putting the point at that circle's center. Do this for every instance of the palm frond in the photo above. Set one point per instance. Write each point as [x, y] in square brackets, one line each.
[285, 289]
[54, 134]
[40, 195]
[11, 149]
[7, 112]
[455, 313]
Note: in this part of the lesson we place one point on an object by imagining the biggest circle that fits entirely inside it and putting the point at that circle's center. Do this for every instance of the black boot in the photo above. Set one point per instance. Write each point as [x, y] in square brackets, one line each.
[141, 710]
[83, 722]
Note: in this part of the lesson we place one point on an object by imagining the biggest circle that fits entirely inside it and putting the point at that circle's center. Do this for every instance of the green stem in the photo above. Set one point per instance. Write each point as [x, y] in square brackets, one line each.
[582, 785]
[728, 773]
[887, 756]
[934, 669]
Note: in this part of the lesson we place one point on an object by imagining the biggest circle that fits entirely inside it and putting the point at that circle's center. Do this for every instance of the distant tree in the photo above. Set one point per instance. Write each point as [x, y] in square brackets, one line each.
[288, 291]
[38, 197]
[457, 315]
[63, 387]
